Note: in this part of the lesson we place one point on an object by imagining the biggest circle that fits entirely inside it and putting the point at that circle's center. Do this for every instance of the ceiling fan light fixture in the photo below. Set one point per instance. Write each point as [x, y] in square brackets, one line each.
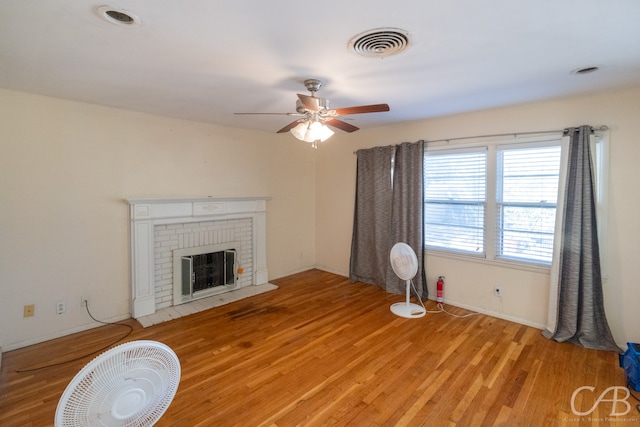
[321, 131]
[299, 130]
[311, 131]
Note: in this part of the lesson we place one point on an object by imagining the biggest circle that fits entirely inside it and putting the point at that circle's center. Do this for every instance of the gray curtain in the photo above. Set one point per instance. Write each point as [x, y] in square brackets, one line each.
[389, 209]
[580, 318]
[372, 217]
[407, 211]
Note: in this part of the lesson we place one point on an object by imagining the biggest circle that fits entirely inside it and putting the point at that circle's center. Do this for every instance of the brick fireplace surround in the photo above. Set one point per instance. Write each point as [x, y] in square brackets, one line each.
[159, 226]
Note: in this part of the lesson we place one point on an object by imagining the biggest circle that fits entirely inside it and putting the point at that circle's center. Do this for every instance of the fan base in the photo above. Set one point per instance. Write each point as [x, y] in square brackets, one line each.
[408, 310]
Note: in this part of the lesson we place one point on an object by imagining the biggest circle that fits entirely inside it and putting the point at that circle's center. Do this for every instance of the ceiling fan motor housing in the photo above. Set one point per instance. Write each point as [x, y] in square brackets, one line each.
[313, 85]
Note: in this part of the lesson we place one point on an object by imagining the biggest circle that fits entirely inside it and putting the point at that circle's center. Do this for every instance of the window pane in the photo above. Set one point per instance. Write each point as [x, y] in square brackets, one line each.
[527, 232]
[530, 174]
[455, 193]
[455, 176]
[455, 226]
[527, 190]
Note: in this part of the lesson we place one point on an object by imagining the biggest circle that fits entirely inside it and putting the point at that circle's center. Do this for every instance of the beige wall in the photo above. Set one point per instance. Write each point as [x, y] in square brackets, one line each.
[65, 170]
[66, 167]
[470, 284]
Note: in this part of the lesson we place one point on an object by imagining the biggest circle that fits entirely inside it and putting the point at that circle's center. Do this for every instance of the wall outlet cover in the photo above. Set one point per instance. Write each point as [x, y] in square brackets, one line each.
[29, 310]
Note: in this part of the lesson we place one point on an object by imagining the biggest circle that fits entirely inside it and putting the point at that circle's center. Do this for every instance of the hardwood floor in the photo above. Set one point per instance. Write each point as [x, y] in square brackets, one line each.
[322, 351]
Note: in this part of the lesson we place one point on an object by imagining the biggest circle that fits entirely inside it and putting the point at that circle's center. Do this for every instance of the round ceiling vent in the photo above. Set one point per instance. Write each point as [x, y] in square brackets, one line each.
[380, 42]
[118, 16]
[585, 70]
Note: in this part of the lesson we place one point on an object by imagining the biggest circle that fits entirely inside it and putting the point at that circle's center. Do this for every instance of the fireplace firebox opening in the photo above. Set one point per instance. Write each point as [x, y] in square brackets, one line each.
[204, 271]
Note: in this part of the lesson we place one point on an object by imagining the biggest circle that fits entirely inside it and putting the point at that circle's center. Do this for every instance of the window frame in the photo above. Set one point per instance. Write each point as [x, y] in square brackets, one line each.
[500, 203]
[491, 215]
[477, 203]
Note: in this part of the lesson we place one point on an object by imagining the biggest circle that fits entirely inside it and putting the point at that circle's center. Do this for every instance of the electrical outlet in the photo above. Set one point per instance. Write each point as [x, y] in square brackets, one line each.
[61, 307]
[29, 310]
[84, 301]
[497, 291]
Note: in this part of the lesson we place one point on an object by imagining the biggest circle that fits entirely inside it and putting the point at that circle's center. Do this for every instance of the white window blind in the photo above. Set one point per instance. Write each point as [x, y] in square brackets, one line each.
[526, 192]
[455, 199]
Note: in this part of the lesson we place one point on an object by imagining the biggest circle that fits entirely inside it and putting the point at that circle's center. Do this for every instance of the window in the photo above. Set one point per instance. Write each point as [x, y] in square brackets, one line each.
[493, 201]
[527, 189]
[455, 199]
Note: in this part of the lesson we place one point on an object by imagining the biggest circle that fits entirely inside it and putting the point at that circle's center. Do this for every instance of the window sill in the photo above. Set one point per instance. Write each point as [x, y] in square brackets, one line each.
[516, 265]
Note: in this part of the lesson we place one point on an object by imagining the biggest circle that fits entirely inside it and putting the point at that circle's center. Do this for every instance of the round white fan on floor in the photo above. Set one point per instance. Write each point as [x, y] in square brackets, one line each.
[132, 384]
[405, 264]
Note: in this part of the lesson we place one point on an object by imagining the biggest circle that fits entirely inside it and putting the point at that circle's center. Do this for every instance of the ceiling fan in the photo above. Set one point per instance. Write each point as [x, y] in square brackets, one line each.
[315, 112]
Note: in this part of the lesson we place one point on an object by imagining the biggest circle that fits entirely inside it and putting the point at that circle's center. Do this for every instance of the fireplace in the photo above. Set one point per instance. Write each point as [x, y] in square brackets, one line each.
[204, 271]
[163, 229]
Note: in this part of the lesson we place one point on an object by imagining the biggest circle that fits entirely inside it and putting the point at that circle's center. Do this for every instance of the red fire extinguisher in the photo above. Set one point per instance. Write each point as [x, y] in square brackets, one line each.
[439, 286]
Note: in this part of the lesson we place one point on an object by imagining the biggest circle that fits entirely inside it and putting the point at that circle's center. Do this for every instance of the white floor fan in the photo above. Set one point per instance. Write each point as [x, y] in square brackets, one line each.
[132, 384]
[405, 264]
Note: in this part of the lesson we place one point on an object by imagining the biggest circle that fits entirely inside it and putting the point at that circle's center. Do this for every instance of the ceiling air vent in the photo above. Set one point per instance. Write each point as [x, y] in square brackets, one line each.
[118, 16]
[585, 70]
[380, 42]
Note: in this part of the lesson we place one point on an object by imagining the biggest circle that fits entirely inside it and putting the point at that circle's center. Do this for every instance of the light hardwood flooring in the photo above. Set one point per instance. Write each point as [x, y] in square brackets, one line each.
[323, 351]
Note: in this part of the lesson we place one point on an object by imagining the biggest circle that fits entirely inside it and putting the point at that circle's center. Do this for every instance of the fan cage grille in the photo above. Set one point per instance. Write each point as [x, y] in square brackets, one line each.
[404, 261]
[139, 365]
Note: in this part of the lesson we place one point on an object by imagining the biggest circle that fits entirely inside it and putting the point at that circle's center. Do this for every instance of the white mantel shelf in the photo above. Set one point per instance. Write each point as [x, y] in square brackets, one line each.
[146, 213]
[194, 207]
[193, 199]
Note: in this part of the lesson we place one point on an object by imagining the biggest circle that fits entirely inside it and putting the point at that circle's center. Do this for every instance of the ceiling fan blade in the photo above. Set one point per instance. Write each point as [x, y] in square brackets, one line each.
[309, 102]
[374, 108]
[288, 127]
[341, 125]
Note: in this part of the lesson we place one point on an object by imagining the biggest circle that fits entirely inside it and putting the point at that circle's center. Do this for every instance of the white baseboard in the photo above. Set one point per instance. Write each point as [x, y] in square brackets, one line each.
[495, 314]
[43, 338]
[465, 306]
[329, 270]
[292, 272]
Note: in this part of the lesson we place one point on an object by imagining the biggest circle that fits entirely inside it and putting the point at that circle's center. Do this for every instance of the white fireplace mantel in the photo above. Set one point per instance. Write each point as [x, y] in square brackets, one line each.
[145, 214]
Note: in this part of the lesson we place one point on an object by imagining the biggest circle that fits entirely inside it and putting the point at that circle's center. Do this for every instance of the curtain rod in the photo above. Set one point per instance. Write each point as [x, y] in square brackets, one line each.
[514, 134]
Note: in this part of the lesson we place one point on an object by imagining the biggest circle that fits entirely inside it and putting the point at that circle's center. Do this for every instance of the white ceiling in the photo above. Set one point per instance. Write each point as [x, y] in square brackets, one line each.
[204, 59]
